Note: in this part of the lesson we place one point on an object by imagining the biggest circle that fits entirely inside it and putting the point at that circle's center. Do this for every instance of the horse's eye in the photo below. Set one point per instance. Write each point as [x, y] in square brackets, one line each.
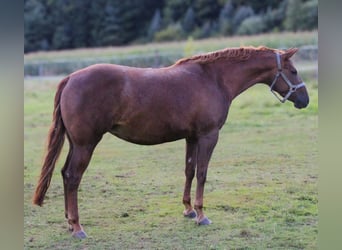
[294, 71]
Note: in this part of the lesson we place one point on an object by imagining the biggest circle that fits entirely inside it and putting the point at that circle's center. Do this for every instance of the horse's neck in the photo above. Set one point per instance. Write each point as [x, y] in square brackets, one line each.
[240, 76]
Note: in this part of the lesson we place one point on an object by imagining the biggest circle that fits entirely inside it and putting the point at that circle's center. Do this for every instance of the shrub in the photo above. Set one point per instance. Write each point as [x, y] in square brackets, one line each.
[242, 13]
[206, 30]
[302, 15]
[173, 32]
[252, 25]
[274, 18]
[309, 15]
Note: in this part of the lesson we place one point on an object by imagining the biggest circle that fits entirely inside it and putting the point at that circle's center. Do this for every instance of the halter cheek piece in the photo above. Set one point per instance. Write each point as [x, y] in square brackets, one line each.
[292, 87]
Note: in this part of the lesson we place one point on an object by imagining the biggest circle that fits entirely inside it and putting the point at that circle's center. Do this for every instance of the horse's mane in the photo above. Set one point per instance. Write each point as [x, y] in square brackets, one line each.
[233, 54]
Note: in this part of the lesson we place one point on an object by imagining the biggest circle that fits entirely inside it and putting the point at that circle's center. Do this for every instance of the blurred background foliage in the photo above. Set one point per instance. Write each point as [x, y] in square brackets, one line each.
[66, 24]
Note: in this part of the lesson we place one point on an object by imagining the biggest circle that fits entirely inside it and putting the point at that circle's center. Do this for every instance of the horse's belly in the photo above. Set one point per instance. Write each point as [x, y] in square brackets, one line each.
[147, 136]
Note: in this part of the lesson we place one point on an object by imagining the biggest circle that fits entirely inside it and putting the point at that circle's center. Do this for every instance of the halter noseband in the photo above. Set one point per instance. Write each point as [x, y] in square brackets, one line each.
[292, 87]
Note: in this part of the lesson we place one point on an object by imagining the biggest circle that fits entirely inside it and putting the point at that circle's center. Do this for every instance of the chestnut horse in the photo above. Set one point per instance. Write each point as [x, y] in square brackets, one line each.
[188, 100]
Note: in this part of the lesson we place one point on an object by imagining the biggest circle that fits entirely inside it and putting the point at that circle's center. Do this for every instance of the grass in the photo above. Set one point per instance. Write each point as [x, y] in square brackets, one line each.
[157, 54]
[274, 40]
[261, 191]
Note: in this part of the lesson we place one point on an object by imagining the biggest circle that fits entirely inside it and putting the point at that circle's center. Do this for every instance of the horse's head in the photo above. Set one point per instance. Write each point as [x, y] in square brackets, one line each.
[287, 85]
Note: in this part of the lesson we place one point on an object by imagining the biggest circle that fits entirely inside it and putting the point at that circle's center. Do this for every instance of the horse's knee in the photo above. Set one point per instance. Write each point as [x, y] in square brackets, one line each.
[71, 180]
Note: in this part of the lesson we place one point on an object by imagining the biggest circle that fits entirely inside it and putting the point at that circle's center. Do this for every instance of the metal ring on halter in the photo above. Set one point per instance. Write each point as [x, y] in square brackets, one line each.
[292, 87]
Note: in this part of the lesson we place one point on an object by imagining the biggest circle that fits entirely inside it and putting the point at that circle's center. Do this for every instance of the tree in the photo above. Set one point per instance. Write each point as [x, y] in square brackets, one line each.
[34, 26]
[173, 32]
[204, 31]
[274, 18]
[96, 21]
[293, 15]
[80, 23]
[206, 10]
[258, 6]
[241, 14]
[147, 10]
[62, 37]
[155, 25]
[62, 24]
[226, 18]
[174, 10]
[251, 25]
[69, 25]
[131, 24]
[111, 26]
[309, 15]
[189, 21]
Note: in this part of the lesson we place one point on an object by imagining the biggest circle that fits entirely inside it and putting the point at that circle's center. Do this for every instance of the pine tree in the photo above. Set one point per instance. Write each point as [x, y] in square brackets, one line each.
[62, 19]
[61, 37]
[241, 14]
[155, 25]
[274, 18]
[96, 21]
[174, 10]
[226, 18]
[189, 21]
[34, 26]
[80, 23]
[293, 15]
[61, 24]
[111, 26]
[207, 10]
[309, 15]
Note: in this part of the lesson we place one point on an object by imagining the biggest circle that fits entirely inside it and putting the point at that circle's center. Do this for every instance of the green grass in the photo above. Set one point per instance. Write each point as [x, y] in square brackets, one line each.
[261, 190]
[273, 40]
[158, 54]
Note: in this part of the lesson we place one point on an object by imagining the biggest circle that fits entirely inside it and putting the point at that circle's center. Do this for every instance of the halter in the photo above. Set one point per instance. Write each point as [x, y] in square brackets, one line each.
[292, 87]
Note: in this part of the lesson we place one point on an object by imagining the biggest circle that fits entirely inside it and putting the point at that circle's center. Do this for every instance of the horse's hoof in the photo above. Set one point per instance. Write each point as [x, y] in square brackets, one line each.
[204, 221]
[79, 235]
[190, 215]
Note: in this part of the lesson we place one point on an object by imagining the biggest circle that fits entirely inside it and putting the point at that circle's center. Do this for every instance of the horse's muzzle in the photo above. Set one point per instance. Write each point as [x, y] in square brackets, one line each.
[301, 103]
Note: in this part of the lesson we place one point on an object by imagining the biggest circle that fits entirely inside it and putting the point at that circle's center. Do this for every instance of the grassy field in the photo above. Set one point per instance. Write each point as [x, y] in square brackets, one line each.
[261, 190]
[188, 47]
[161, 54]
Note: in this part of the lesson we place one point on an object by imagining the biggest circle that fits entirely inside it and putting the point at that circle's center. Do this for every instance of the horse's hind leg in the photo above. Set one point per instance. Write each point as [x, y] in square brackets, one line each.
[190, 167]
[77, 162]
[66, 164]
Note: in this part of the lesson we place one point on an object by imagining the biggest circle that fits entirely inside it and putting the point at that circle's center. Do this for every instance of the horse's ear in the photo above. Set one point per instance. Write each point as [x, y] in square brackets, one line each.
[290, 52]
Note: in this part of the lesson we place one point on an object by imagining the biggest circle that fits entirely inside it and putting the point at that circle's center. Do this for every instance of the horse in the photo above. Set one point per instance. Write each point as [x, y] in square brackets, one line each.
[188, 100]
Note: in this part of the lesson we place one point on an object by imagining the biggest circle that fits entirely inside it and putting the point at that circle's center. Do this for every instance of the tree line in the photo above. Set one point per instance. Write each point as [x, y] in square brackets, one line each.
[66, 24]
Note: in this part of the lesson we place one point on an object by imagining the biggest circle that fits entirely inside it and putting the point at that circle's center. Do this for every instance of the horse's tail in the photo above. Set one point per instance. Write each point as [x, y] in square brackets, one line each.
[54, 146]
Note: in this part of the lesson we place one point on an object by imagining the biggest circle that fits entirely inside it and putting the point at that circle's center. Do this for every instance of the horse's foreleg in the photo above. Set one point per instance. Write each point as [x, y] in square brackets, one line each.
[72, 175]
[190, 167]
[206, 145]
